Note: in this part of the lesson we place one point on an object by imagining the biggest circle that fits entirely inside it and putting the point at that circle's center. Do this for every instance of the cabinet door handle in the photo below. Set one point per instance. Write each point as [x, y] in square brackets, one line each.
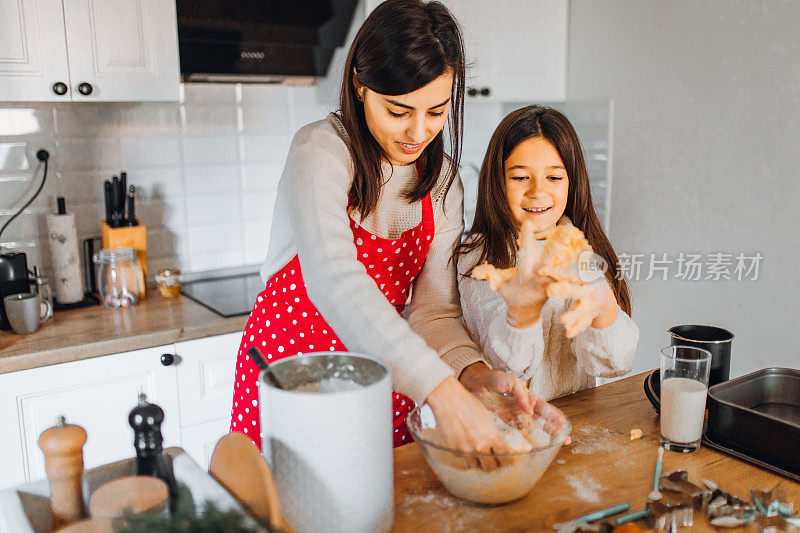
[485, 91]
[60, 88]
[85, 88]
[167, 359]
[472, 91]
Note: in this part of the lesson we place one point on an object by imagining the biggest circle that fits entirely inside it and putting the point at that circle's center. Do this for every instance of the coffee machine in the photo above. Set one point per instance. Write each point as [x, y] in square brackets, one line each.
[13, 280]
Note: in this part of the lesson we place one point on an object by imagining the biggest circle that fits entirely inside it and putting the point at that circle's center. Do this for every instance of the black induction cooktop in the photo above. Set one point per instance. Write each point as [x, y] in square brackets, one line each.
[227, 296]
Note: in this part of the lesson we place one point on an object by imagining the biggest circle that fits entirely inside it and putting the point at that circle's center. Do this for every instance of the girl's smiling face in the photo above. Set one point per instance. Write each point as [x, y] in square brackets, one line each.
[405, 124]
[537, 185]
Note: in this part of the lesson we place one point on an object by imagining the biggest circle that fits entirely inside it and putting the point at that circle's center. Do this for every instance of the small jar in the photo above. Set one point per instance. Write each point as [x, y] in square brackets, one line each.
[169, 282]
[119, 276]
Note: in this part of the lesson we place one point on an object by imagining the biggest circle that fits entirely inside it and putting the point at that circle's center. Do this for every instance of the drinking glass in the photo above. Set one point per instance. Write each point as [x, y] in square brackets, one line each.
[684, 387]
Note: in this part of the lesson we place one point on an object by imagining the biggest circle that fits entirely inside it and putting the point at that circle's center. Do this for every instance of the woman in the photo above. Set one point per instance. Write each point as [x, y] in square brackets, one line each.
[368, 206]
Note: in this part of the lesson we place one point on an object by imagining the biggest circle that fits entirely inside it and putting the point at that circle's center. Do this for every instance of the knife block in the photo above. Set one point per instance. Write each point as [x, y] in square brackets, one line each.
[130, 237]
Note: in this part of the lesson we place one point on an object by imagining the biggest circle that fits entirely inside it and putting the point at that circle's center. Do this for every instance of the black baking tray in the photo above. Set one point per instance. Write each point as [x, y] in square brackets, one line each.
[757, 418]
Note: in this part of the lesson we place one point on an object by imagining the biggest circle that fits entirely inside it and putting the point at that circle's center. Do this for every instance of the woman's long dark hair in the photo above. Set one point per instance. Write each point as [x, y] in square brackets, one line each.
[494, 229]
[402, 46]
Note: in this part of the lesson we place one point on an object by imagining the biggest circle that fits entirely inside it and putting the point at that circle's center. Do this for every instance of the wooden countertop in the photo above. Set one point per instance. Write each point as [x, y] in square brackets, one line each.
[95, 331]
[601, 468]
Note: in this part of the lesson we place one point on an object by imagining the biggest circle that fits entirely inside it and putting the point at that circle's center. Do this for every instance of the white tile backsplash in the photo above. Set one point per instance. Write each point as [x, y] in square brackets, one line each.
[164, 183]
[254, 205]
[214, 209]
[265, 147]
[209, 149]
[215, 238]
[272, 120]
[194, 164]
[156, 151]
[259, 176]
[213, 179]
[210, 119]
[206, 169]
[89, 154]
[256, 234]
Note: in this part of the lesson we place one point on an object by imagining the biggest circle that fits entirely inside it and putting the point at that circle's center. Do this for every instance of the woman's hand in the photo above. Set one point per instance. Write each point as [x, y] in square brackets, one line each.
[462, 421]
[478, 378]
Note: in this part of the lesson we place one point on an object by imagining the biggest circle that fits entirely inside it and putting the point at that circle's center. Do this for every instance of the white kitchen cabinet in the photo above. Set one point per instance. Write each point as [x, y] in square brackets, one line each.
[122, 49]
[193, 384]
[206, 372]
[96, 394]
[200, 440]
[101, 50]
[33, 51]
[516, 49]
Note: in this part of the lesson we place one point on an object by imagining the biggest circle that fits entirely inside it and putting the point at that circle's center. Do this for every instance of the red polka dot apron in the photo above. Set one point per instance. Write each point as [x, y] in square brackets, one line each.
[284, 322]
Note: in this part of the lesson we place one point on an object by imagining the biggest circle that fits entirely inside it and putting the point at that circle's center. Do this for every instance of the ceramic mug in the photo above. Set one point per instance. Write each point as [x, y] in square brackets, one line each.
[26, 311]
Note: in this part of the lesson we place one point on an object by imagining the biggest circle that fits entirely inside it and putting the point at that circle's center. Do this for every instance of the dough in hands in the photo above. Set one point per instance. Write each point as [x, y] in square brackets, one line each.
[586, 304]
[561, 251]
[495, 276]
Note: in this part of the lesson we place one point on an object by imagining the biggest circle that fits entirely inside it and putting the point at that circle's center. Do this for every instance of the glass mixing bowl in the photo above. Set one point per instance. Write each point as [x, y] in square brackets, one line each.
[490, 478]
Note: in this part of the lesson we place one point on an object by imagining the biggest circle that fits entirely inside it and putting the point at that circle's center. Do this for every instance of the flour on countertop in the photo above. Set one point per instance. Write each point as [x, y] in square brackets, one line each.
[585, 487]
[438, 503]
[590, 439]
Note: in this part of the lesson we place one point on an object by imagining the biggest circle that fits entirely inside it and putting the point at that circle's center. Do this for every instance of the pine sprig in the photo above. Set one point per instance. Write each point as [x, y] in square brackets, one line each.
[211, 520]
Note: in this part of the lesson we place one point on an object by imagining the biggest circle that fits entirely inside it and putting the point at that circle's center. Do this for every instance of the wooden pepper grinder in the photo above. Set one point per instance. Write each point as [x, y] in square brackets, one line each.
[63, 459]
[146, 419]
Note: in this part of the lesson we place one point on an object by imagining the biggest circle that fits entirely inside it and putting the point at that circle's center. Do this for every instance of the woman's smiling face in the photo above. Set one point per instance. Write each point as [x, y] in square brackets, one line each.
[537, 185]
[405, 124]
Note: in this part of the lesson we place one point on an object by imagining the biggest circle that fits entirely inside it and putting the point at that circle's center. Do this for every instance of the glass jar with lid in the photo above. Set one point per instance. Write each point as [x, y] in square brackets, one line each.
[119, 277]
[168, 281]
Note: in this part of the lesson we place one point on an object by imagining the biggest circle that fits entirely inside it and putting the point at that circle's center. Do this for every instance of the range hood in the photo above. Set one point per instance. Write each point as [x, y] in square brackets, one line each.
[258, 41]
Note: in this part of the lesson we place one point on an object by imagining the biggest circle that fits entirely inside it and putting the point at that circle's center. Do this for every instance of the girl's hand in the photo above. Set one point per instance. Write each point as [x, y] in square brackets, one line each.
[525, 295]
[478, 378]
[526, 292]
[462, 421]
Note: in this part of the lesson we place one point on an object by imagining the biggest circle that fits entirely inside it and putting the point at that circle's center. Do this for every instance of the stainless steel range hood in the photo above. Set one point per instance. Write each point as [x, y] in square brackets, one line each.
[260, 41]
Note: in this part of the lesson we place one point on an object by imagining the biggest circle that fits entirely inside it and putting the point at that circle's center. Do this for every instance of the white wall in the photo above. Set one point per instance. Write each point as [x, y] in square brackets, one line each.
[706, 129]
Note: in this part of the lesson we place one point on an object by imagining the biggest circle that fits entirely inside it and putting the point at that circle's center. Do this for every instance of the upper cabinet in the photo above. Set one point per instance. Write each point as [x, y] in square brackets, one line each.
[88, 50]
[516, 49]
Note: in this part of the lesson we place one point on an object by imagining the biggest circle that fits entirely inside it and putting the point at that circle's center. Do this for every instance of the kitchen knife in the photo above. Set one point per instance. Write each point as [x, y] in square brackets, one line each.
[109, 203]
[131, 207]
[117, 200]
[123, 182]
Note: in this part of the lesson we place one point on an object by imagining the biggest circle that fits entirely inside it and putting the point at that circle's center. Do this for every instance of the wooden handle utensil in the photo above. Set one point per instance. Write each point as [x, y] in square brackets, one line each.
[238, 466]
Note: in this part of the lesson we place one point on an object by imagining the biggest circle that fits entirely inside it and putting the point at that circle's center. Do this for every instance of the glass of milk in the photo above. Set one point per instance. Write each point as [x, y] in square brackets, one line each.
[684, 386]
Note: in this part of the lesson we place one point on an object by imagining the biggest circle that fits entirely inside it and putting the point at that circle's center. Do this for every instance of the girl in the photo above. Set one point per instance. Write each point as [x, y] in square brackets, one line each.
[368, 206]
[534, 172]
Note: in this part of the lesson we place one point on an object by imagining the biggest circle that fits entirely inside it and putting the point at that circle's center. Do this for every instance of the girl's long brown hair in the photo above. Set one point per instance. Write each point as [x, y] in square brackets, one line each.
[494, 230]
[402, 46]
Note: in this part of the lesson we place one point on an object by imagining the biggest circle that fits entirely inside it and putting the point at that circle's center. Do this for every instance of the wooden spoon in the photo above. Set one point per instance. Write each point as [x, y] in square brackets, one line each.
[238, 466]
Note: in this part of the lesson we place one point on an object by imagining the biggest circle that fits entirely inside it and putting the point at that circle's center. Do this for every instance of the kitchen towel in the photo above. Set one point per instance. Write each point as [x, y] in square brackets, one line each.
[63, 240]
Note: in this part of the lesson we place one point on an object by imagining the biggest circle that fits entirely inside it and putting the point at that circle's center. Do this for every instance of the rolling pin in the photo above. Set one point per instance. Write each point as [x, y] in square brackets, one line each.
[63, 459]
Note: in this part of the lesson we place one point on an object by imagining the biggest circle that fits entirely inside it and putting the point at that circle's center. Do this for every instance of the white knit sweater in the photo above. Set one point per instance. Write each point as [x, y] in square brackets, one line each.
[551, 364]
[311, 221]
